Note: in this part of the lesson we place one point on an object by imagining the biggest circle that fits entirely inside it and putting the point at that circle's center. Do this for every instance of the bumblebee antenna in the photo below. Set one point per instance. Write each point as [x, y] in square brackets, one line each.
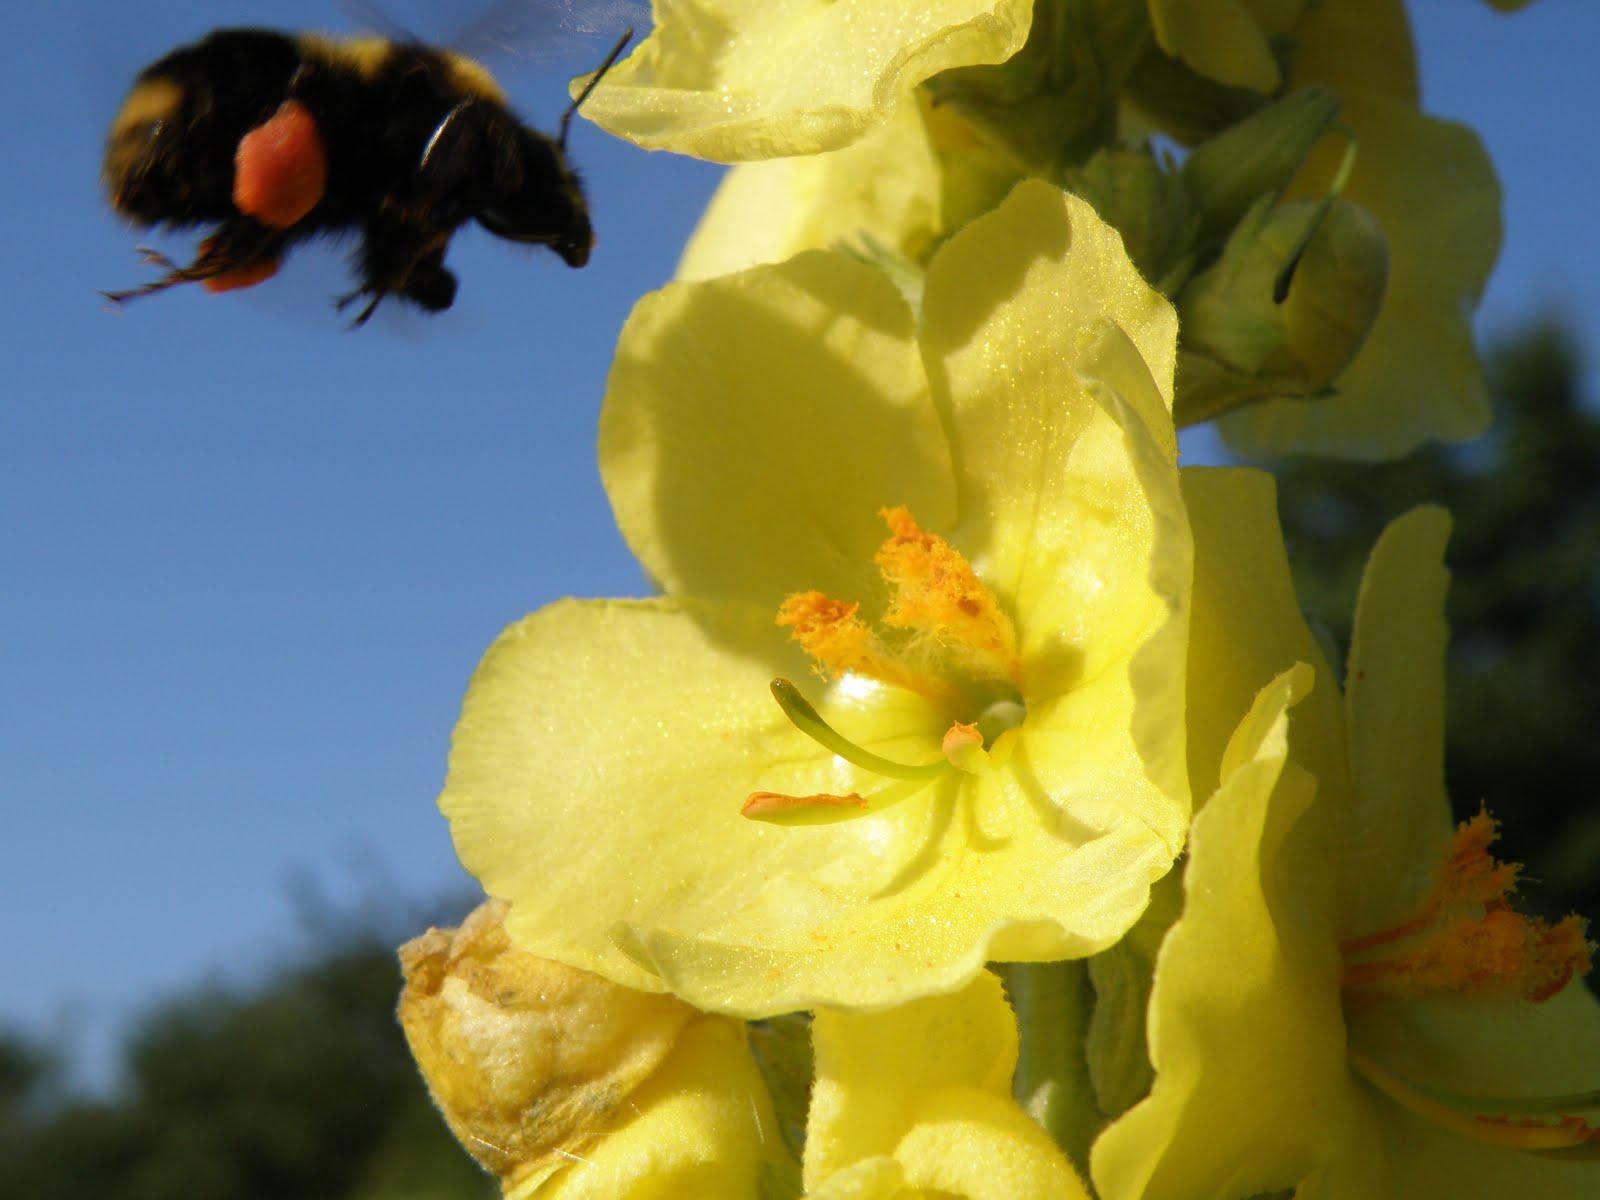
[566, 117]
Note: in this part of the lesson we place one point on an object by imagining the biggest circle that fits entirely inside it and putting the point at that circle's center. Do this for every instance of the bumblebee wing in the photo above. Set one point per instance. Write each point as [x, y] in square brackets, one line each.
[551, 29]
[530, 30]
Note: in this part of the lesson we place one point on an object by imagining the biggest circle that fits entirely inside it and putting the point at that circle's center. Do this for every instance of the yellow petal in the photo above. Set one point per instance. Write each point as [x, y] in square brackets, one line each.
[1363, 45]
[755, 424]
[734, 80]
[702, 1125]
[926, 1086]
[1398, 814]
[975, 1144]
[1247, 626]
[882, 189]
[1245, 1031]
[587, 757]
[1547, 1049]
[1016, 311]
[1229, 41]
[1053, 360]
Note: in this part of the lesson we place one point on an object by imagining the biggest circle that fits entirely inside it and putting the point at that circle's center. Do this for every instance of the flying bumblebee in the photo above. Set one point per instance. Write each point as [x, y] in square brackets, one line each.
[278, 138]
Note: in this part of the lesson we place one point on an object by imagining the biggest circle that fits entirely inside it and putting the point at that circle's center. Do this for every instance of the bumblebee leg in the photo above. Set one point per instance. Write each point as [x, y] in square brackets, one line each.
[399, 259]
[429, 285]
[149, 256]
[240, 253]
[345, 301]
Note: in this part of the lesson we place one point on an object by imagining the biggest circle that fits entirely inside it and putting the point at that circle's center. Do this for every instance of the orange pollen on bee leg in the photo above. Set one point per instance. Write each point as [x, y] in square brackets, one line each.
[280, 168]
[241, 277]
[1466, 939]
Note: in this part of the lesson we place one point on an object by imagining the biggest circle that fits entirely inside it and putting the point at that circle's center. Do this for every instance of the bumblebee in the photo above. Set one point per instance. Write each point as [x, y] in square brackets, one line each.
[277, 138]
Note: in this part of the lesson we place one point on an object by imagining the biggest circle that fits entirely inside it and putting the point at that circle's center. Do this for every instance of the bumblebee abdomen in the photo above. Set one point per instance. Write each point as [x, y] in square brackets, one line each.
[169, 157]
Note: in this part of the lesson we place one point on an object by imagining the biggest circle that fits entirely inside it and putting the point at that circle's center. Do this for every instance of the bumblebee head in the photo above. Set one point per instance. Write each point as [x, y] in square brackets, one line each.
[543, 202]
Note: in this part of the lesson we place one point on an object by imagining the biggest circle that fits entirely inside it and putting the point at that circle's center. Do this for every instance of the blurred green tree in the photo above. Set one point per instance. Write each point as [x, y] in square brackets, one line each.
[301, 1088]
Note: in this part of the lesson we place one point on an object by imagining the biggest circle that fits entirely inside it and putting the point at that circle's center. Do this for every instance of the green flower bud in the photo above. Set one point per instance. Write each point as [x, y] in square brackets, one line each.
[1166, 94]
[1256, 156]
[1240, 342]
[1056, 100]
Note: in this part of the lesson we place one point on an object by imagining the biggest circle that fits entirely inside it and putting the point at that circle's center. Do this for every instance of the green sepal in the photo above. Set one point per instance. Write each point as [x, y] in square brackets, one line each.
[1257, 156]
[1239, 344]
[781, 1047]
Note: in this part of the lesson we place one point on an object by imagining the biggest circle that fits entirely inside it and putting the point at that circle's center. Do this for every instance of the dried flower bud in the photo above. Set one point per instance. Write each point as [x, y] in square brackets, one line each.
[529, 1061]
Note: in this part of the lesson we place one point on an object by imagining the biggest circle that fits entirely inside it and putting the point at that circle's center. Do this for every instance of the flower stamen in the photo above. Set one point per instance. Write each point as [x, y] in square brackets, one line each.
[1465, 938]
[839, 642]
[809, 722]
[937, 595]
[946, 640]
[1535, 1124]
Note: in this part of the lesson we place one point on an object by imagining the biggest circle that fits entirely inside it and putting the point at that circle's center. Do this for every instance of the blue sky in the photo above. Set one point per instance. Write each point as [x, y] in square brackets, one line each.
[250, 558]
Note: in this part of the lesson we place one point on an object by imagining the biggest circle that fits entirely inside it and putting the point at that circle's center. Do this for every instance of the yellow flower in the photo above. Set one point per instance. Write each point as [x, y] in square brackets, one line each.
[916, 1102]
[567, 1087]
[1017, 797]
[734, 80]
[1347, 1005]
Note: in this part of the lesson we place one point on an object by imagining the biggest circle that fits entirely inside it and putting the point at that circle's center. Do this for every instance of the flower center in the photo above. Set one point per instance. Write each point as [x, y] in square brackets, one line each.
[942, 636]
[1466, 940]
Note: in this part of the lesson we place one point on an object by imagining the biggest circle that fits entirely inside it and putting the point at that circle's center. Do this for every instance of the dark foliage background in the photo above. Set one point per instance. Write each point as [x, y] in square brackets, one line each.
[300, 1088]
